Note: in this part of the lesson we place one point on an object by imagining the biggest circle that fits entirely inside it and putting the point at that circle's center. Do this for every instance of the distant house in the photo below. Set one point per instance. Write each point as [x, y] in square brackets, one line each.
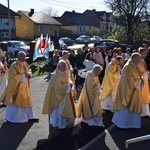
[77, 23]
[80, 23]
[100, 19]
[4, 23]
[32, 24]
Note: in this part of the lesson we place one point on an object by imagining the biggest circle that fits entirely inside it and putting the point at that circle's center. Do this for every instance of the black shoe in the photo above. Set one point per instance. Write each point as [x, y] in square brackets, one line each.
[8, 121]
[33, 120]
[146, 117]
[3, 105]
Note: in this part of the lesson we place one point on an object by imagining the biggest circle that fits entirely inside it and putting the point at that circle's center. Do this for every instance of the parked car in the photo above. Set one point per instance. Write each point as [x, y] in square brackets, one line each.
[125, 46]
[82, 38]
[67, 40]
[14, 46]
[110, 44]
[93, 39]
[104, 41]
[61, 42]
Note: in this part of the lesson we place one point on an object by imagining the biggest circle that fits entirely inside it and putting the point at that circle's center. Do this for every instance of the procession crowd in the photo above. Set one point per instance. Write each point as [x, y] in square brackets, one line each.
[115, 81]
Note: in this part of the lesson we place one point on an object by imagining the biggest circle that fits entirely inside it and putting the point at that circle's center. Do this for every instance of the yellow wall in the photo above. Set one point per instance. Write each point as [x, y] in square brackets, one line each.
[24, 27]
[27, 29]
[47, 31]
[76, 29]
[72, 28]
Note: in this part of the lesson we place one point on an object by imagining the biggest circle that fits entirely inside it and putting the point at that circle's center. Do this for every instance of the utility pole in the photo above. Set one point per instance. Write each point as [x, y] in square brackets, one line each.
[9, 20]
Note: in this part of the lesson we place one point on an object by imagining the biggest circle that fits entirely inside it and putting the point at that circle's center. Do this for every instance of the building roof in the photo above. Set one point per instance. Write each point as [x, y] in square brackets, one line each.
[73, 18]
[100, 13]
[4, 11]
[97, 16]
[93, 17]
[109, 14]
[78, 18]
[40, 18]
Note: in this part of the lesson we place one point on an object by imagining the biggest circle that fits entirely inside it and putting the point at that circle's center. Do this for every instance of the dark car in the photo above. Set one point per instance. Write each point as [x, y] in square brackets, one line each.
[82, 38]
[110, 44]
[104, 42]
[125, 46]
[67, 40]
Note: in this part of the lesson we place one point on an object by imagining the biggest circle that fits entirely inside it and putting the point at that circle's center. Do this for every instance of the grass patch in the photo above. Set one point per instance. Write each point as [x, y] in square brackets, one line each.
[39, 68]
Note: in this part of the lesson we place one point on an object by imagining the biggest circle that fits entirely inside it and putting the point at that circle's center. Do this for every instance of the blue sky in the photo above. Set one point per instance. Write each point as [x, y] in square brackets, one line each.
[57, 5]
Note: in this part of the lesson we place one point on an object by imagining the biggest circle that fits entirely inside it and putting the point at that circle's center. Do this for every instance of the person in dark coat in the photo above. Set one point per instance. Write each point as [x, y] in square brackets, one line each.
[147, 59]
[79, 59]
[104, 54]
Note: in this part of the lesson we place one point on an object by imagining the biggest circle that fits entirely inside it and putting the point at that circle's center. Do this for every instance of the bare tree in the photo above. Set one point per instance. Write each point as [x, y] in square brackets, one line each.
[50, 11]
[130, 12]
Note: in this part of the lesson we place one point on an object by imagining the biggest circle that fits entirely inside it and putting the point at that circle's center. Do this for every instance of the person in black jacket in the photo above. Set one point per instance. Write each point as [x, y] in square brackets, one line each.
[55, 39]
[72, 59]
[147, 59]
[80, 59]
[104, 54]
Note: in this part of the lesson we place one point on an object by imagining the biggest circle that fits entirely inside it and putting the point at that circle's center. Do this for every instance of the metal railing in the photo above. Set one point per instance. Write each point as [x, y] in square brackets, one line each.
[137, 139]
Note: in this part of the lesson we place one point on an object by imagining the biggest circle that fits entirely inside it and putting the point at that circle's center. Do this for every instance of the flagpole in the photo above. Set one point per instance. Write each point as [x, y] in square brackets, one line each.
[9, 20]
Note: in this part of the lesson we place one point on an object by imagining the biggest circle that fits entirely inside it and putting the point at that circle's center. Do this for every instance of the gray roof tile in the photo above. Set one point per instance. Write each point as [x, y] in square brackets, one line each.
[41, 18]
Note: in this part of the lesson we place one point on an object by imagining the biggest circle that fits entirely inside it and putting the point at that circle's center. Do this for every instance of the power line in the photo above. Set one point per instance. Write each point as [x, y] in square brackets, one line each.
[64, 5]
[67, 5]
[76, 3]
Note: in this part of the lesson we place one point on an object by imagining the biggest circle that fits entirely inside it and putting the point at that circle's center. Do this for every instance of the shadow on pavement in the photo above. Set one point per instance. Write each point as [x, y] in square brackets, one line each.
[71, 139]
[48, 77]
[33, 68]
[75, 137]
[115, 138]
[11, 135]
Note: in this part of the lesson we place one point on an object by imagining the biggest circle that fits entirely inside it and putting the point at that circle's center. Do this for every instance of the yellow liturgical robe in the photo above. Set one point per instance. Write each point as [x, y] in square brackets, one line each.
[3, 81]
[18, 92]
[70, 75]
[3, 85]
[145, 93]
[110, 80]
[55, 94]
[87, 97]
[128, 96]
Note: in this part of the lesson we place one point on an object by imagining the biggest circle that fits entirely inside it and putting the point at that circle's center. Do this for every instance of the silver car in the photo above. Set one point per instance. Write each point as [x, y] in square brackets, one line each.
[82, 38]
[93, 39]
[14, 47]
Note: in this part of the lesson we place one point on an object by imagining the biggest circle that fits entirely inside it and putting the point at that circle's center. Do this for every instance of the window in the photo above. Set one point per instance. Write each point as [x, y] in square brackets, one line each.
[52, 29]
[5, 34]
[83, 28]
[45, 29]
[80, 29]
[110, 29]
[39, 28]
[5, 23]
